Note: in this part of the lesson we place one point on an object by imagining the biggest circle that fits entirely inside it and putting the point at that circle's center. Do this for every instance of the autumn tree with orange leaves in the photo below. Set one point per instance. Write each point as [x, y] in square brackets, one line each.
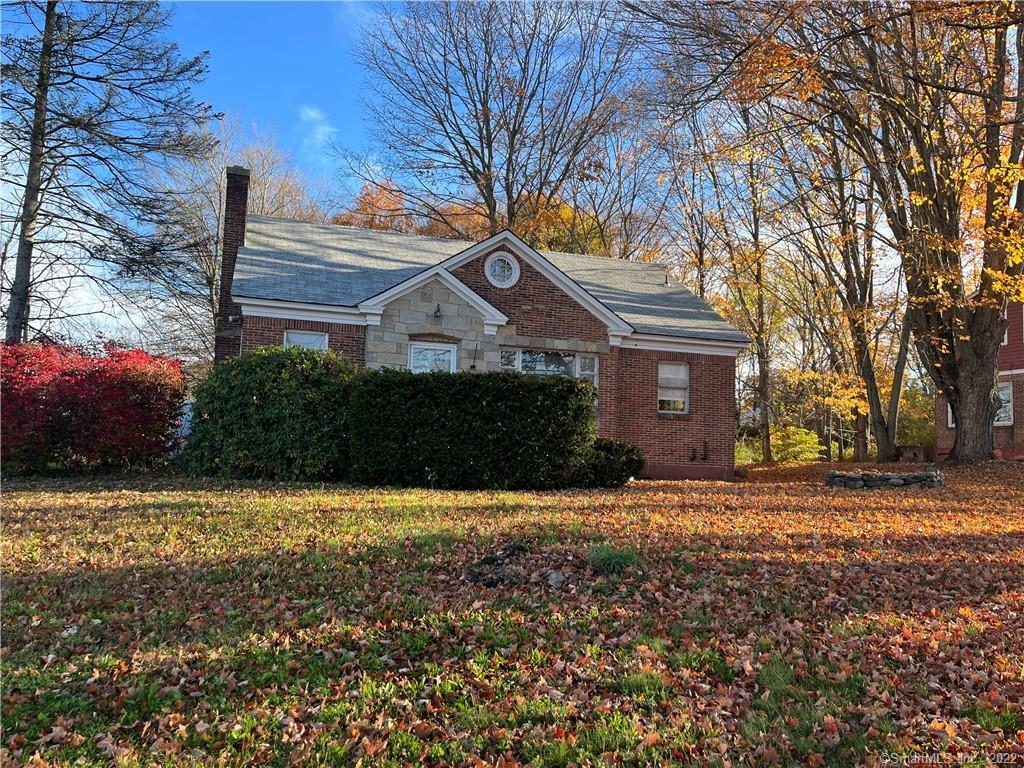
[930, 98]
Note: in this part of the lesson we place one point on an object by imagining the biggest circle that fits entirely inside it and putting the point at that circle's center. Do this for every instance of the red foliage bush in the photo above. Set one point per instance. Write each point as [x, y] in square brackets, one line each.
[61, 407]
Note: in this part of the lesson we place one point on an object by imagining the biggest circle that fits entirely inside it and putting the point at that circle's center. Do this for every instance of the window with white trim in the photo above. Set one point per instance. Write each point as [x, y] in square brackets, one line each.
[307, 339]
[1006, 332]
[429, 357]
[544, 363]
[1004, 410]
[501, 269]
[1004, 416]
[673, 387]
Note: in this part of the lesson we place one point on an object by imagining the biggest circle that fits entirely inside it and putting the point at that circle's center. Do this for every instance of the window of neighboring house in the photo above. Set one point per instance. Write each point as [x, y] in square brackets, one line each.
[673, 387]
[1004, 415]
[307, 339]
[543, 363]
[429, 357]
[1006, 333]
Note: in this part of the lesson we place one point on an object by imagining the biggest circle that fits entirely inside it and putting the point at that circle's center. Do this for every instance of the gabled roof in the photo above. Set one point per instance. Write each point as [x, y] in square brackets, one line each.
[637, 292]
[326, 264]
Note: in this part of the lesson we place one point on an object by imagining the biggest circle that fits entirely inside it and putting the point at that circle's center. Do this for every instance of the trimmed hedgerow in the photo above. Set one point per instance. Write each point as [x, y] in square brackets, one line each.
[275, 413]
[66, 409]
[612, 463]
[469, 430]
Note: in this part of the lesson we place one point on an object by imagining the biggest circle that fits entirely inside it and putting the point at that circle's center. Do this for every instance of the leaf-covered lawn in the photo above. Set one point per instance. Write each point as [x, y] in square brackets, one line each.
[769, 621]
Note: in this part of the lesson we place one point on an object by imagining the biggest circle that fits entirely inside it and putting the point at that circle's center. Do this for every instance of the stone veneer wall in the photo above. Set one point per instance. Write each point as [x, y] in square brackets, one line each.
[411, 317]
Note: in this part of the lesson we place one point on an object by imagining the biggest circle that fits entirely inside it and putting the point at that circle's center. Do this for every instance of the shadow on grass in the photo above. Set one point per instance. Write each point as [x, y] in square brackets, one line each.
[360, 624]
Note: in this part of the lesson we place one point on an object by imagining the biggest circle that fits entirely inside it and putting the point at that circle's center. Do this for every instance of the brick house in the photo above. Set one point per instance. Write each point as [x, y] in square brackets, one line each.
[1008, 427]
[662, 360]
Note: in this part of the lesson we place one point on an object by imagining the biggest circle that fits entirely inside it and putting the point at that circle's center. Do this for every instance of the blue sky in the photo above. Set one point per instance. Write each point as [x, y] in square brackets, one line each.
[289, 66]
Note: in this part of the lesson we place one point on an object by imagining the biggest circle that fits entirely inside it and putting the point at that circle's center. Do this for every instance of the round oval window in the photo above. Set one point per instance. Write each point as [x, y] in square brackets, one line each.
[502, 269]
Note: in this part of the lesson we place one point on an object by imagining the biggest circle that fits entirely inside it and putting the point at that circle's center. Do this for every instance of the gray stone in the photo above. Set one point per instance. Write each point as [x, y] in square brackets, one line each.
[837, 479]
[555, 579]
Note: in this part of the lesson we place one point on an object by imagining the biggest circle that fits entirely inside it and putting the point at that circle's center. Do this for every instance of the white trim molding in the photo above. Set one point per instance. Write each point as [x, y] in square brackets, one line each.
[373, 307]
[659, 343]
[368, 312]
[513, 263]
[535, 259]
[452, 348]
[297, 310]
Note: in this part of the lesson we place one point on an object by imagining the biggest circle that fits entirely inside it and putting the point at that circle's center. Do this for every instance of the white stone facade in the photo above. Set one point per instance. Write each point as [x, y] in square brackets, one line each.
[433, 312]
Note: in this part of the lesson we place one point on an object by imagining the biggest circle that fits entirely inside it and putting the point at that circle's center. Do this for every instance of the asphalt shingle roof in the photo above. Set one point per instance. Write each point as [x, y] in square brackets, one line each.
[342, 266]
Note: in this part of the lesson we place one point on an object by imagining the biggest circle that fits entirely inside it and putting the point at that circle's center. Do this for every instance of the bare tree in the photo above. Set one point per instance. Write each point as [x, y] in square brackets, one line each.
[691, 218]
[95, 100]
[623, 188]
[735, 169]
[489, 108]
[181, 295]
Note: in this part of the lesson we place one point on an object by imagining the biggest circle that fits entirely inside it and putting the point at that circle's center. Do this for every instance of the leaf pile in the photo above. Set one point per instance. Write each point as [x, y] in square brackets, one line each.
[767, 622]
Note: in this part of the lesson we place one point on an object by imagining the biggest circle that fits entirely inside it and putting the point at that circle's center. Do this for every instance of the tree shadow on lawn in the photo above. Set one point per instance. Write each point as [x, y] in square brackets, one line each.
[119, 645]
[748, 579]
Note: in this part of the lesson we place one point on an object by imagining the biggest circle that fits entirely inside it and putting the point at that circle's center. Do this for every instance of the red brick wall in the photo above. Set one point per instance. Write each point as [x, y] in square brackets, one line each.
[534, 305]
[236, 201]
[349, 340]
[670, 440]
[1008, 441]
[1011, 354]
[627, 378]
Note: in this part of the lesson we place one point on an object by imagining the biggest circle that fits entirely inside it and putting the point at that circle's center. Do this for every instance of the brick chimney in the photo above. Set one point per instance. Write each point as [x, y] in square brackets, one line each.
[229, 316]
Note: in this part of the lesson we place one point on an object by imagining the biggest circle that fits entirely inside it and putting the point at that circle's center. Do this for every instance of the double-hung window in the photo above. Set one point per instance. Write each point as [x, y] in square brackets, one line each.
[1004, 416]
[1004, 413]
[428, 357]
[539, 362]
[308, 339]
[673, 387]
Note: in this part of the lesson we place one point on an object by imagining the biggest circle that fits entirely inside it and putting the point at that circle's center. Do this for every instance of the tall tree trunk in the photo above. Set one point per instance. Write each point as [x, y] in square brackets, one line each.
[18, 309]
[860, 436]
[764, 398]
[892, 421]
[973, 406]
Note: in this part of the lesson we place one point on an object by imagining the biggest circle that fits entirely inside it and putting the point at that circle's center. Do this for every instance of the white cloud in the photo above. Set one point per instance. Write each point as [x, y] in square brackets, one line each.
[309, 114]
[318, 129]
[350, 18]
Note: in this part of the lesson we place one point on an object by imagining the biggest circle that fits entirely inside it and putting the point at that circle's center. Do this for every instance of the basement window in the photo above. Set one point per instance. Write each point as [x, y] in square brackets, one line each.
[306, 339]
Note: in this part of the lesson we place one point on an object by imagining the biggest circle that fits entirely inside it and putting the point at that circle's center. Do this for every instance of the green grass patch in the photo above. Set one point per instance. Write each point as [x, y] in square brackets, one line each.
[611, 561]
[991, 719]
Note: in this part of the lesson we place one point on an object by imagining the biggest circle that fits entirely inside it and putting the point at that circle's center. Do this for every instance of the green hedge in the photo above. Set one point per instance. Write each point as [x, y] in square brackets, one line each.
[612, 463]
[272, 413]
[469, 430]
